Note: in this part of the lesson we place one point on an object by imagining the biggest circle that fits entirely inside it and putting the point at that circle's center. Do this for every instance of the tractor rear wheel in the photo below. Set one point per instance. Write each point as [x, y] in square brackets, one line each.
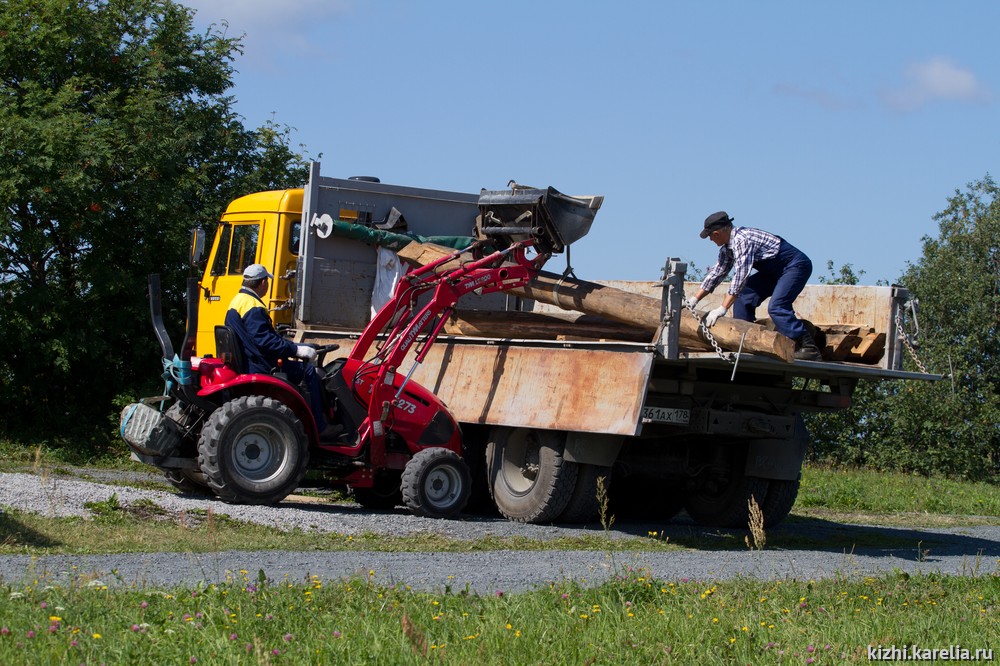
[529, 479]
[436, 483]
[253, 450]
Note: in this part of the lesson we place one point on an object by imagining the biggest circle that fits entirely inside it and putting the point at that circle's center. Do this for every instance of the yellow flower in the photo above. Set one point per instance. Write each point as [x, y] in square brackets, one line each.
[95, 636]
[55, 618]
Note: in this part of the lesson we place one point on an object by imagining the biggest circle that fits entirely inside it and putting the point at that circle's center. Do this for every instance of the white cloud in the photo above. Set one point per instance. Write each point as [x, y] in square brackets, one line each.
[935, 79]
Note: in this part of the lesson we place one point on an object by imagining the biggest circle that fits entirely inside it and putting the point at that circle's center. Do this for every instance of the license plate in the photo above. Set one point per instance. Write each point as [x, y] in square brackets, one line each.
[667, 415]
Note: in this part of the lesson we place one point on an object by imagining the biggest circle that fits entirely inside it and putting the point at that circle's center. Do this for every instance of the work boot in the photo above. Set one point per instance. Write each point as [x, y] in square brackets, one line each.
[806, 349]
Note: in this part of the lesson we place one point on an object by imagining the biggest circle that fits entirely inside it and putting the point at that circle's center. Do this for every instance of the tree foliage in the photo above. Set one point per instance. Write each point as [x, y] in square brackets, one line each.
[118, 138]
[951, 426]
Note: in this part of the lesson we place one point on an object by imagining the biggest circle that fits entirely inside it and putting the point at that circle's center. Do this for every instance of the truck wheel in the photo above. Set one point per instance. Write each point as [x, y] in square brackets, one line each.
[253, 450]
[584, 505]
[779, 500]
[529, 479]
[436, 483]
[728, 505]
[722, 501]
[384, 495]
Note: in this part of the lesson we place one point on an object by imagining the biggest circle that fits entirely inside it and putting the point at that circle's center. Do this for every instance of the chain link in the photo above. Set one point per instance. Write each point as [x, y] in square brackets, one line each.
[908, 343]
[729, 357]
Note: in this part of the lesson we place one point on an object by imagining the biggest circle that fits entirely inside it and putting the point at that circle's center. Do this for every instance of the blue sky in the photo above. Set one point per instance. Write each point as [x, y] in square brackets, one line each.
[843, 127]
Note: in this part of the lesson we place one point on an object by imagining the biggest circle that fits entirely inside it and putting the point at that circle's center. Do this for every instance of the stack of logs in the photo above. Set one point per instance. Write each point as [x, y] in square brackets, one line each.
[605, 313]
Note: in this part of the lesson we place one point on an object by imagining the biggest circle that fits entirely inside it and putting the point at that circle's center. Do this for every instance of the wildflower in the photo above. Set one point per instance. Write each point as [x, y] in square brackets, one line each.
[31, 634]
[55, 618]
[336, 634]
[811, 649]
[499, 593]
[73, 643]
[96, 636]
[249, 647]
[233, 636]
[275, 652]
[16, 595]
[43, 605]
[193, 660]
[135, 627]
[287, 637]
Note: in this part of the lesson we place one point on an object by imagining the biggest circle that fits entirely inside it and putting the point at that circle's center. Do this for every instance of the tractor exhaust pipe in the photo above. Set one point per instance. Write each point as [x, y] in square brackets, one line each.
[156, 311]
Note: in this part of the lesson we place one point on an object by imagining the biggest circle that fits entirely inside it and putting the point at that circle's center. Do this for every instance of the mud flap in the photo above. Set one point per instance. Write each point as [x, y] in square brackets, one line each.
[778, 458]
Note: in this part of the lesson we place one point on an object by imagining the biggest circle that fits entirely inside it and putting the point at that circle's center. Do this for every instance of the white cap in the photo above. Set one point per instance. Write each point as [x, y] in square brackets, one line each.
[256, 272]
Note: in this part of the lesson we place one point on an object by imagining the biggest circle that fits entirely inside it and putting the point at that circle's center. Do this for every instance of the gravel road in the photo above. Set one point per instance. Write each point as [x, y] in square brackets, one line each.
[959, 551]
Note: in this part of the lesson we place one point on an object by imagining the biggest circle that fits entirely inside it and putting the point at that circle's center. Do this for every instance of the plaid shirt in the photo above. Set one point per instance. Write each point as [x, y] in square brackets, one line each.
[746, 246]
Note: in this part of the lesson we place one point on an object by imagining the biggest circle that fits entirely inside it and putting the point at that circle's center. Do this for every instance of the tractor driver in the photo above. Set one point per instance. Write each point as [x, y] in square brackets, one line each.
[781, 272]
[262, 346]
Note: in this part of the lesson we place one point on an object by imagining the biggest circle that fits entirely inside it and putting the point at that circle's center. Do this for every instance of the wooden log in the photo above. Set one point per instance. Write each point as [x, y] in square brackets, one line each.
[544, 326]
[628, 308]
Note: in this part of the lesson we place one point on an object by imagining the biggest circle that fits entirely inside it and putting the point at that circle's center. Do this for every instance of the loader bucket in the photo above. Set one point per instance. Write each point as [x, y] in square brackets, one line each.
[553, 219]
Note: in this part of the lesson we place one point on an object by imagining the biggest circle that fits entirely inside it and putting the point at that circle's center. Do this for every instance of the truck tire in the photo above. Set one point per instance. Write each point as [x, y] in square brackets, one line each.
[253, 450]
[584, 505]
[529, 479]
[383, 496]
[723, 502]
[779, 500]
[436, 483]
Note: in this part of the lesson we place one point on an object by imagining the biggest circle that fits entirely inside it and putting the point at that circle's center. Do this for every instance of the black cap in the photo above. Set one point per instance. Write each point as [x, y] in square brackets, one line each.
[716, 221]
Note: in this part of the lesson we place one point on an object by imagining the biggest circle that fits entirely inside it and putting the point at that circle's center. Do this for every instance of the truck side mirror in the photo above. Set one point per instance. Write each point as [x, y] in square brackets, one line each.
[197, 245]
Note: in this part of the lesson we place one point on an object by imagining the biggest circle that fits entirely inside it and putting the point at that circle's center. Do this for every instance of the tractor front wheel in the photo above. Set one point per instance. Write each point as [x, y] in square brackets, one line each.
[436, 483]
[253, 450]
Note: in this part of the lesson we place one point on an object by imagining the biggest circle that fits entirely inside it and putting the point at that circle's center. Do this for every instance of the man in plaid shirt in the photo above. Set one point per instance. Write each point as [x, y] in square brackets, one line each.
[781, 272]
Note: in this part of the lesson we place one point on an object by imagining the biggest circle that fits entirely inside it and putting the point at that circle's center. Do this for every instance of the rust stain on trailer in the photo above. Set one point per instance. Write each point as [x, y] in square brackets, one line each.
[585, 390]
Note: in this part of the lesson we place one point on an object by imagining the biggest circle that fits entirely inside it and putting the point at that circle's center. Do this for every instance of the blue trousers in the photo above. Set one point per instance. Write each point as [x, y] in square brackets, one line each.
[781, 278]
[299, 372]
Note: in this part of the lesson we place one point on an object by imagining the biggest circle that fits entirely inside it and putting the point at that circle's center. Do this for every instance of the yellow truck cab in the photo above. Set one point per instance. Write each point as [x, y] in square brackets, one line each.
[261, 228]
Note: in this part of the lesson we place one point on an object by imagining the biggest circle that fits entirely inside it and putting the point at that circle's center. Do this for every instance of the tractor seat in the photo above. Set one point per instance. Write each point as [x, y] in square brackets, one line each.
[228, 348]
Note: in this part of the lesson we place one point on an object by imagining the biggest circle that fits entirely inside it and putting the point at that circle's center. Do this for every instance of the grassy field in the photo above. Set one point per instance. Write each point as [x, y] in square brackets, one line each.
[632, 619]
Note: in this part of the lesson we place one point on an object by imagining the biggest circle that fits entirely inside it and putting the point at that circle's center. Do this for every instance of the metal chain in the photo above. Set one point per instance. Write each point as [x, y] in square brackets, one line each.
[908, 343]
[730, 357]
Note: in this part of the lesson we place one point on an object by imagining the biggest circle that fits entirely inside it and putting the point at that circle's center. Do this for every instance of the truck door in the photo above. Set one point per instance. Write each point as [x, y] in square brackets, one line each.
[235, 248]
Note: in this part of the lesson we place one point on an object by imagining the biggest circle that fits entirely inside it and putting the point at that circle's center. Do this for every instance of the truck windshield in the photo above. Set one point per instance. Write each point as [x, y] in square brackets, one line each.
[237, 248]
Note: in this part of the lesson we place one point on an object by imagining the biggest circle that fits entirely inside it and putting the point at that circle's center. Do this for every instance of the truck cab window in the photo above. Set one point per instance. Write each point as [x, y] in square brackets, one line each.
[294, 236]
[237, 248]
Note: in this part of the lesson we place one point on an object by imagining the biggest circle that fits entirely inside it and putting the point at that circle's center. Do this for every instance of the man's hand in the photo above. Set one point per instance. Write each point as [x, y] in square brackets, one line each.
[713, 316]
[690, 302]
[305, 352]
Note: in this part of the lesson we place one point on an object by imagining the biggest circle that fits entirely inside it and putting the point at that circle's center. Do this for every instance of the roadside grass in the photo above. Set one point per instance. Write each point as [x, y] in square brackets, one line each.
[631, 619]
[887, 493]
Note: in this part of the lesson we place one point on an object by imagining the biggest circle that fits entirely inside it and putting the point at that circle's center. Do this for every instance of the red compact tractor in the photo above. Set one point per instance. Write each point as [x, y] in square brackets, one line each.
[250, 438]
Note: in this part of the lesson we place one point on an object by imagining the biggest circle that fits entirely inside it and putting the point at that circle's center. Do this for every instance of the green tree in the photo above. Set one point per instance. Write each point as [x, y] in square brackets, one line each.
[951, 426]
[118, 137]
